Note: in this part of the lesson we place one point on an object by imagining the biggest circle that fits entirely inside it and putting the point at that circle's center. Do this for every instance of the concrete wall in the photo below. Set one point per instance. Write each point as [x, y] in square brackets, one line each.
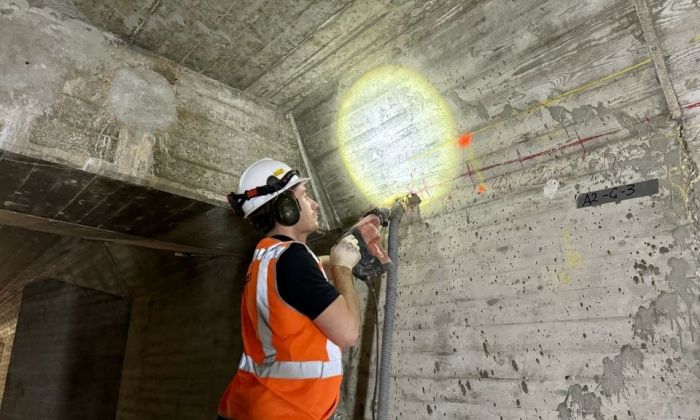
[76, 95]
[512, 302]
[183, 341]
[28, 256]
[184, 344]
[68, 353]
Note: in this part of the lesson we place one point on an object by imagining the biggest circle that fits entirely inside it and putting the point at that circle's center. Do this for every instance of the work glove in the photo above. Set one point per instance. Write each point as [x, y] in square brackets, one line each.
[346, 252]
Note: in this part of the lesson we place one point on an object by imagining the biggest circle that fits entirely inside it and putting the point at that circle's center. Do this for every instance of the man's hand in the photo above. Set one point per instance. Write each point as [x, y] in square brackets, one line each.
[346, 252]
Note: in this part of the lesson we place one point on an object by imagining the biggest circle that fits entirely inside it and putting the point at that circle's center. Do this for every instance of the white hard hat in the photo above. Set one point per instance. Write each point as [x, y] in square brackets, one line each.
[263, 181]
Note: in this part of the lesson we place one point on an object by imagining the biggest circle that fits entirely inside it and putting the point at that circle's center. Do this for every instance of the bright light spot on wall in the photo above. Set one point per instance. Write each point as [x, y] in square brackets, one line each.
[391, 124]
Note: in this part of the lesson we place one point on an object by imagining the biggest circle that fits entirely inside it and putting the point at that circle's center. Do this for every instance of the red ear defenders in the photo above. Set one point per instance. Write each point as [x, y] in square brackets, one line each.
[285, 207]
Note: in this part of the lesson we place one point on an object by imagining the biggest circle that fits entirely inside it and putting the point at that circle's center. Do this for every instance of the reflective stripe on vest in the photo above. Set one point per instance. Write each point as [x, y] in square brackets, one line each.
[263, 307]
[271, 368]
[292, 370]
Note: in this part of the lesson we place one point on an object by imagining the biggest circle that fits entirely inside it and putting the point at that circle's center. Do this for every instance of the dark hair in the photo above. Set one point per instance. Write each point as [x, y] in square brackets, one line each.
[263, 218]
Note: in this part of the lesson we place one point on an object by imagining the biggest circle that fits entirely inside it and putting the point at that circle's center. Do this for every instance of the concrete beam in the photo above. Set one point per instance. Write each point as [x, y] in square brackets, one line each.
[328, 214]
[646, 22]
[91, 102]
[42, 224]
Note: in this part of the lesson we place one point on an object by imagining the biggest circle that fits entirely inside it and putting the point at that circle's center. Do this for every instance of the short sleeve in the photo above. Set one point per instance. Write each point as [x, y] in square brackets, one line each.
[301, 284]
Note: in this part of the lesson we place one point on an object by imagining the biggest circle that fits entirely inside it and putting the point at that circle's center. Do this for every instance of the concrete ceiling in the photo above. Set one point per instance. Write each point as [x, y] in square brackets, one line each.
[285, 52]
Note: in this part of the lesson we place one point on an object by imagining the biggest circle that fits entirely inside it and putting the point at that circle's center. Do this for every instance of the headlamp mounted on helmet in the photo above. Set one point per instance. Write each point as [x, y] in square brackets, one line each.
[274, 185]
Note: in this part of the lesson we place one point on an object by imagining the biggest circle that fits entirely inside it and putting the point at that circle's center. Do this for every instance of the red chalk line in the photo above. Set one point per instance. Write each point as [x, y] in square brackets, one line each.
[520, 159]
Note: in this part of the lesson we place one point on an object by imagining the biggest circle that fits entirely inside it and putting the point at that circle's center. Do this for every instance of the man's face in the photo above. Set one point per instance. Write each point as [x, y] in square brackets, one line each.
[308, 220]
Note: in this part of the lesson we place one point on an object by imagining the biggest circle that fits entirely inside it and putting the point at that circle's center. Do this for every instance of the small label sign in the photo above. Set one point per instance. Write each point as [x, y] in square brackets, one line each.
[617, 194]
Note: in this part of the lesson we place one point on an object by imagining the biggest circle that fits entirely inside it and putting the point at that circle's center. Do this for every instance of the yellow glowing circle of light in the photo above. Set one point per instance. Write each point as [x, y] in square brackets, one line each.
[391, 126]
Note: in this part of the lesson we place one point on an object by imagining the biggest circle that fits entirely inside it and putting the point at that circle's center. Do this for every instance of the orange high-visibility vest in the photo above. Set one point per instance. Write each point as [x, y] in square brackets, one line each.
[289, 368]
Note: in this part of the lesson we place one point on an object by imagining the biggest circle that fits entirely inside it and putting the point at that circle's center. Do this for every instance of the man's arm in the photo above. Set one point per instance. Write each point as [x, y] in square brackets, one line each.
[340, 321]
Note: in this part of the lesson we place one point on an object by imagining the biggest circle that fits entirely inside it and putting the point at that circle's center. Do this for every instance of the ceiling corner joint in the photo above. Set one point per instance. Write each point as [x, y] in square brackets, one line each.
[646, 22]
[325, 207]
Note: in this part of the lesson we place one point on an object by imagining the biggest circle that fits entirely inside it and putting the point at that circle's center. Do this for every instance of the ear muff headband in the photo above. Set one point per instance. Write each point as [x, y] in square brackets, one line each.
[273, 185]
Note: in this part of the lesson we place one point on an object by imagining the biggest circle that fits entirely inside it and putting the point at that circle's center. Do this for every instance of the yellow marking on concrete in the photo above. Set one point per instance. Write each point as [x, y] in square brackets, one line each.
[572, 258]
[544, 104]
[687, 171]
[563, 277]
[589, 85]
[696, 39]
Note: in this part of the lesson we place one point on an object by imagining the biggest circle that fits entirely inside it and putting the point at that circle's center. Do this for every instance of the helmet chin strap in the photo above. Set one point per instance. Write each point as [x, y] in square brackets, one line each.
[273, 185]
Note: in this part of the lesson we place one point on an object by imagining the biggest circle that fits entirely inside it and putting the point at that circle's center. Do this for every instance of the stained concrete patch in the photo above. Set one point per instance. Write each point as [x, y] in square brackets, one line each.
[586, 113]
[580, 402]
[482, 111]
[666, 305]
[468, 108]
[142, 99]
[696, 369]
[613, 380]
[688, 291]
[38, 49]
[675, 345]
[579, 115]
[507, 113]
[672, 306]
[559, 114]
[10, 8]
[680, 234]
[679, 280]
[631, 123]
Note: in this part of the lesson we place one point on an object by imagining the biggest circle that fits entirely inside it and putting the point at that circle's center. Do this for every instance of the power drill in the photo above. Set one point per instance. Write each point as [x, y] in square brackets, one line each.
[373, 257]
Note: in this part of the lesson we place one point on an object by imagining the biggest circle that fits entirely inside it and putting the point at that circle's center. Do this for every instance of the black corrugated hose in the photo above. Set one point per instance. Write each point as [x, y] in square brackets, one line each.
[389, 304]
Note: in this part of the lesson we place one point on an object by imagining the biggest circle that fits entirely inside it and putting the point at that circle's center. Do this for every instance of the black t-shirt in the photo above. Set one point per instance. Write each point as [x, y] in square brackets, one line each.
[300, 282]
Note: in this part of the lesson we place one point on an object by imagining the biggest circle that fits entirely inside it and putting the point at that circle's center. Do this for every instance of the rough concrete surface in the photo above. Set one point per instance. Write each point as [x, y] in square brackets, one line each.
[513, 303]
[142, 99]
[76, 95]
[173, 297]
[68, 354]
[503, 281]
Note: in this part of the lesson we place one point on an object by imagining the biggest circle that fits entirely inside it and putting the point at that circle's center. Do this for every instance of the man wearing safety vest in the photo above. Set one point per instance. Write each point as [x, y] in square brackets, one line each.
[297, 311]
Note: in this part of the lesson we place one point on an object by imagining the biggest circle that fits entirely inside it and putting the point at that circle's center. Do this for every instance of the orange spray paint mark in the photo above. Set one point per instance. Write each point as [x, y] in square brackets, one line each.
[482, 188]
[465, 140]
